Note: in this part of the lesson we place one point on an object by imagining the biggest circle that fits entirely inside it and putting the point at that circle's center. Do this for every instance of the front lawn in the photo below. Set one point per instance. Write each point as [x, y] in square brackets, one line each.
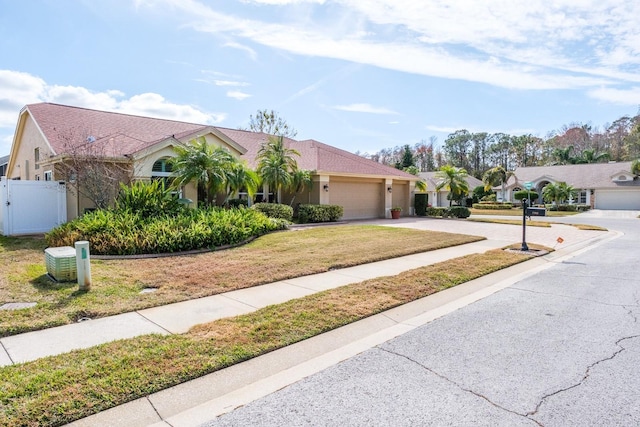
[57, 390]
[117, 284]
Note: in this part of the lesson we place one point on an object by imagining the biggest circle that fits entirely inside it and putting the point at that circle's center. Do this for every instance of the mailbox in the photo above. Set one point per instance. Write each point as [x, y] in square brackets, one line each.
[536, 212]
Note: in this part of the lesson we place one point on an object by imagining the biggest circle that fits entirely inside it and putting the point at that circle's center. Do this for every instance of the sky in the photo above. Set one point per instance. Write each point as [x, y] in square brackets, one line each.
[361, 75]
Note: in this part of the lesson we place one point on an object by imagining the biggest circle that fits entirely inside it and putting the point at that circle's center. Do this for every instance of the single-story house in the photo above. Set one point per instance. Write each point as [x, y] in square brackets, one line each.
[47, 133]
[600, 185]
[439, 198]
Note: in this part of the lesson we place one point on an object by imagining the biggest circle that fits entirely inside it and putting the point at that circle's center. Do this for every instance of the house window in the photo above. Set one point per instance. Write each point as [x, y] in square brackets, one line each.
[161, 170]
[582, 197]
[36, 156]
[48, 176]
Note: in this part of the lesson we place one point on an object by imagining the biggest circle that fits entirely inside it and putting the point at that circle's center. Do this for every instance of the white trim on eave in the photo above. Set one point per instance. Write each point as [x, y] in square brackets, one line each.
[17, 136]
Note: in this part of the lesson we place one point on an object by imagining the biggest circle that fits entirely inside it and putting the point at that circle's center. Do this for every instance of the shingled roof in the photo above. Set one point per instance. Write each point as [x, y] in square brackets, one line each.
[125, 134]
[584, 176]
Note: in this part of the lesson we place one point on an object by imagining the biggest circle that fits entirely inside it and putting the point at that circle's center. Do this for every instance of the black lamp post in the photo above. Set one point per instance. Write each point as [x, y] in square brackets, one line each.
[524, 226]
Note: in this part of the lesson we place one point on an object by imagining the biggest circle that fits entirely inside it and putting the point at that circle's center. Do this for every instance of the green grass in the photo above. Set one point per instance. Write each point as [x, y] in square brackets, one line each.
[57, 390]
[117, 283]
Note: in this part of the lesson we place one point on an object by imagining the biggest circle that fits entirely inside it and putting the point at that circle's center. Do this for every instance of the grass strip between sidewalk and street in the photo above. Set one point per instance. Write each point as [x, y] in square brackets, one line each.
[59, 389]
[537, 223]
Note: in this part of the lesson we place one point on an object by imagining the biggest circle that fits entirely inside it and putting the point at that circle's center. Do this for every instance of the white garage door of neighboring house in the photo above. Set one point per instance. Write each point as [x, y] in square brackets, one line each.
[618, 199]
[360, 200]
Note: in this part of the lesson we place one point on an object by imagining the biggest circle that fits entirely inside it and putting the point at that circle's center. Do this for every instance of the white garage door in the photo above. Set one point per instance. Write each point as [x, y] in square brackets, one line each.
[360, 200]
[618, 199]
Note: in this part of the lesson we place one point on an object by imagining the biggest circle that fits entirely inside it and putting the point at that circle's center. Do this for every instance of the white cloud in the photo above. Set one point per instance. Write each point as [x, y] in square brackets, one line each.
[229, 83]
[252, 53]
[364, 108]
[618, 96]
[18, 89]
[521, 44]
[236, 94]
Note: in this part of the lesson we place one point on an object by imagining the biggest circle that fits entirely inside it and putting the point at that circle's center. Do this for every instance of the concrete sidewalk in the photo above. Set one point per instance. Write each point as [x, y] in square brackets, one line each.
[195, 402]
[180, 317]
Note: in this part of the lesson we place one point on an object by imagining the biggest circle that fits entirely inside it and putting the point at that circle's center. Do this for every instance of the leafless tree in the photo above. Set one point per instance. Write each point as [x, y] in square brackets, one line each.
[91, 167]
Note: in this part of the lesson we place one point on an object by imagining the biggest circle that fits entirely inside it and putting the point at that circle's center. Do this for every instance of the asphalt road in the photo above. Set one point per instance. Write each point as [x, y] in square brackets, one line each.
[559, 348]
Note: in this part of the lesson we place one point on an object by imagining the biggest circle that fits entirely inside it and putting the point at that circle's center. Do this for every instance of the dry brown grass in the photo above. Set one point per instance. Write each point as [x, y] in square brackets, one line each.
[117, 283]
[59, 389]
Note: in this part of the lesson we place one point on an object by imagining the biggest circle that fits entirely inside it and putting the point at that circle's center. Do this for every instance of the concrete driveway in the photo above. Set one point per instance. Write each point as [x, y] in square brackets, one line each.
[558, 348]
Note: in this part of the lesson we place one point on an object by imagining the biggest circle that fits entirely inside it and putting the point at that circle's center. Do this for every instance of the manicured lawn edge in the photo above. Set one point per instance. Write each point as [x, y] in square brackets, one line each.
[57, 390]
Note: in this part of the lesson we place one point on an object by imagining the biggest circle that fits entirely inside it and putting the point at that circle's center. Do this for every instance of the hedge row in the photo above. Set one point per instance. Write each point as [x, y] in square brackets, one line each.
[319, 213]
[493, 205]
[275, 210]
[122, 232]
[450, 212]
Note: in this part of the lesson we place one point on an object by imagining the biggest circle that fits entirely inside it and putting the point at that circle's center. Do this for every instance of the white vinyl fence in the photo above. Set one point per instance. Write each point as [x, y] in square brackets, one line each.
[30, 207]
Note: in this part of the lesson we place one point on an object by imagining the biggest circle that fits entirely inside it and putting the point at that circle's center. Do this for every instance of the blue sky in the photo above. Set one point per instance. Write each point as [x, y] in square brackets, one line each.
[357, 74]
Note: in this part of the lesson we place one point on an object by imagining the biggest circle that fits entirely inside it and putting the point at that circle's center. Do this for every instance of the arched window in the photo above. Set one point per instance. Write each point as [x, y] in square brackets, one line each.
[161, 170]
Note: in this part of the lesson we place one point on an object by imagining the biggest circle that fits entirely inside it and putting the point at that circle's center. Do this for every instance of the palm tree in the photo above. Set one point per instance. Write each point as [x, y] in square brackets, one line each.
[566, 191]
[241, 177]
[206, 165]
[563, 156]
[496, 176]
[300, 180]
[454, 180]
[551, 193]
[276, 164]
[590, 156]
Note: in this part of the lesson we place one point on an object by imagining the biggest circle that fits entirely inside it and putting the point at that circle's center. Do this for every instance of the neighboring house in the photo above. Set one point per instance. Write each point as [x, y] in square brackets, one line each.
[600, 185]
[4, 163]
[46, 133]
[439, 198]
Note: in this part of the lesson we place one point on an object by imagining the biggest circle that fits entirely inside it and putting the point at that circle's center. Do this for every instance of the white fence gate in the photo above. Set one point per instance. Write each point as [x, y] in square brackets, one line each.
[30, 207]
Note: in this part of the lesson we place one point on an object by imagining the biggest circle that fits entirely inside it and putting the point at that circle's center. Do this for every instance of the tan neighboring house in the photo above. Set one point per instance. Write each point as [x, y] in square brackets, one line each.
[439, 198]
[46, 133]
[601, 185]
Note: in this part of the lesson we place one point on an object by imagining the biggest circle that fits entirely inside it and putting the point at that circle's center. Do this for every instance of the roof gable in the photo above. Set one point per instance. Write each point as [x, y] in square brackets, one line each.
[584, 176]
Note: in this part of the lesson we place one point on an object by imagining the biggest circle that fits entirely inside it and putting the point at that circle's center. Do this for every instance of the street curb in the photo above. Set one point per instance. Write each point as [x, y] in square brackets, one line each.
[195, 402]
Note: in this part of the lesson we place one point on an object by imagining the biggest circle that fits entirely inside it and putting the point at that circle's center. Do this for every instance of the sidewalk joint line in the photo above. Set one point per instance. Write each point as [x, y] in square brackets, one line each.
[155, 323]
[158, 413]
[7, 352]
[226, 295]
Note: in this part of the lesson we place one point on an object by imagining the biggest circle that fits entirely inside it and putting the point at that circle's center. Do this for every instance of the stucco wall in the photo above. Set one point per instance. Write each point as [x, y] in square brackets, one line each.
[24, 165]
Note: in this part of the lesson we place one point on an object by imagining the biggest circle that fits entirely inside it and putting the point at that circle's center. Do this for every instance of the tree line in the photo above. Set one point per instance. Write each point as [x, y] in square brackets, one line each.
[480, 151]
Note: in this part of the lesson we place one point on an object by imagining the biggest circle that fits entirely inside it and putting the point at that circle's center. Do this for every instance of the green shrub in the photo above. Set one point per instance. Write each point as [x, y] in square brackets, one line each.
[458, 212]
[235, 203]
[489, 205]
[421, 204]
[319, 213]
[524, 194]
[122, 232]
[479, 193]
[437, 211]
[148, 199]
[275, 210]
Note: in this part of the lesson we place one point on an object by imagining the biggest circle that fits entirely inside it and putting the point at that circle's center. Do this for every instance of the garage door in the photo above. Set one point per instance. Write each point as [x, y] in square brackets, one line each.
[360, 200]
[618, 199]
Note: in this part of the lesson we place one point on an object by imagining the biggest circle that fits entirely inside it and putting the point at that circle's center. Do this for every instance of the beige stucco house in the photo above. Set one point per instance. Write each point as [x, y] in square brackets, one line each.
[46, 133]
[440, 198]
[609, 186]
